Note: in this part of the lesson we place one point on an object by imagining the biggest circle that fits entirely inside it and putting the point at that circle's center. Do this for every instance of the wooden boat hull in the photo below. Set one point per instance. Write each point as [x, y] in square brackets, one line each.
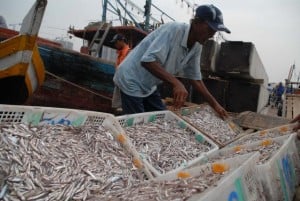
[21, 67]
[84, 70]
[56, 92]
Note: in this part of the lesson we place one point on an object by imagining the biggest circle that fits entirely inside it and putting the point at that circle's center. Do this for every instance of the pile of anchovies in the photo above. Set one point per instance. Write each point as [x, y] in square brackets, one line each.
[254, 138]
[207, 121]
[175, 190]
[165, 145]
[266, 152]
[62, 163]
[86, 163]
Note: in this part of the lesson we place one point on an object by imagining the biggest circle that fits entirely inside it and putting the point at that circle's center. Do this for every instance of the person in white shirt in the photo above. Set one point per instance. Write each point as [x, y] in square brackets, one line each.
[173, 50]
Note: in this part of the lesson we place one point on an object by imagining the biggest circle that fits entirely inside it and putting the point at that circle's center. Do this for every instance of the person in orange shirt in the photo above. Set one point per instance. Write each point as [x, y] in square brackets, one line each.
[120, 43]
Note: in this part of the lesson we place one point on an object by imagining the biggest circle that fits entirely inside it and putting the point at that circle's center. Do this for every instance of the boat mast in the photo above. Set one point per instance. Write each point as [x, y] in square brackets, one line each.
[129, 14]
[104, 10]
[147, 14]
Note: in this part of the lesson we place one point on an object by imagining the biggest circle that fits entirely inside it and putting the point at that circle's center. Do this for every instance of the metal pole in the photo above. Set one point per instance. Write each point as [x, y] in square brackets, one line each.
[147, 14]
[128, 13]
[104, 10]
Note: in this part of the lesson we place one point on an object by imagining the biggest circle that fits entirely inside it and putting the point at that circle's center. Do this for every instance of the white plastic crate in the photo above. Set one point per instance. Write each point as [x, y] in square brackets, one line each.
[149, 117]
[48, 115]
[229, 130]
[239, 183]
[263, 134]
[39, 116]
[253, 189]
[284, 166]
[279, 175]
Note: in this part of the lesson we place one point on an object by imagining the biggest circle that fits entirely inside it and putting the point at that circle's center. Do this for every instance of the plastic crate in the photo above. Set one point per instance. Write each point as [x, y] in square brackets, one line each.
[239, 183]
[149, 117]
[263, 134]
[230, 128]
[39, 116]
[284, 166]
[48, 115]
[279, 175]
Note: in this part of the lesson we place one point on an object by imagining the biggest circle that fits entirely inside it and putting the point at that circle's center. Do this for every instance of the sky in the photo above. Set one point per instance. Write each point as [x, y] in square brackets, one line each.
[273, 26]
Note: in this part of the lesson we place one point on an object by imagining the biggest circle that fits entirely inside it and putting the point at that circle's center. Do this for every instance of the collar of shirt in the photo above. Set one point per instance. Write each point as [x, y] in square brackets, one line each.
[185, 37]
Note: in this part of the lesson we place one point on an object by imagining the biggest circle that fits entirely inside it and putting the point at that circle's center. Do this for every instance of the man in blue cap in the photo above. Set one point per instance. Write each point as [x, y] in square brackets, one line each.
[173, 50]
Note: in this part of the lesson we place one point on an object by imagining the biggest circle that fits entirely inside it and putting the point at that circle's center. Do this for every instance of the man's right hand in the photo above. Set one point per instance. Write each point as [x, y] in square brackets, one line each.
[179, 94]
[179, 91]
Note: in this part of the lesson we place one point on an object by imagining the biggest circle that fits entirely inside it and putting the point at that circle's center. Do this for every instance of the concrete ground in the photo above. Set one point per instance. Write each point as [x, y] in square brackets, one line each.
[269, 110]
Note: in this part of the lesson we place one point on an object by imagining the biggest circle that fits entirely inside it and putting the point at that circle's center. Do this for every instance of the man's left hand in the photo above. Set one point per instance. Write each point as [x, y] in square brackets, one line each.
[221, 111]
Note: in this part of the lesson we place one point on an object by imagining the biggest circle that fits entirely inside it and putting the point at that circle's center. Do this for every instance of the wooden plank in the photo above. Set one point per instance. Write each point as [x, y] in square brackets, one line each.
[288, 100]
[289, 113]
[296, 106]
[289, 108]
[292, 105]
[259, 121]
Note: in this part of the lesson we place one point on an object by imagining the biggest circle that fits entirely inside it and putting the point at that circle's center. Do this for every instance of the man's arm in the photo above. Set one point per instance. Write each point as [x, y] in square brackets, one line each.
[200, 87]
[179, 91]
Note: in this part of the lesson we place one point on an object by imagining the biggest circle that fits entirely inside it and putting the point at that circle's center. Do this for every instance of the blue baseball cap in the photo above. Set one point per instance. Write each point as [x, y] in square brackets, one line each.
[213, 16]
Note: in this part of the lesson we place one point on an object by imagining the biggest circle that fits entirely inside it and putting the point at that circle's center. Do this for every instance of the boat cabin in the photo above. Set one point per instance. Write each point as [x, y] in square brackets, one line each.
[97, 36]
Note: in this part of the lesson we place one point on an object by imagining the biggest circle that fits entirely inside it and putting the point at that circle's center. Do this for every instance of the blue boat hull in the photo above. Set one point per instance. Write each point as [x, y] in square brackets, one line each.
[84, 70]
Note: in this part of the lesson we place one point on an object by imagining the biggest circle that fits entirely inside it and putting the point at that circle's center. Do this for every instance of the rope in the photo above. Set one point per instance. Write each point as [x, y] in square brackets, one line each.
[57, 77]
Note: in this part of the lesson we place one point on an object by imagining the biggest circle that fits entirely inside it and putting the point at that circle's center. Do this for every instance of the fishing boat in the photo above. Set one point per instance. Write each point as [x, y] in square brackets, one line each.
[77, 79]
[84, 80]
[6, 33]
[72, 79]
[21, 67]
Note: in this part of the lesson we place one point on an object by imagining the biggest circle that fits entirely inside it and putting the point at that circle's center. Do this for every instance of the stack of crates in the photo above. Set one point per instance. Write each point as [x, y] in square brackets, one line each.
[244, 176]
[279, 174]
[35, 121]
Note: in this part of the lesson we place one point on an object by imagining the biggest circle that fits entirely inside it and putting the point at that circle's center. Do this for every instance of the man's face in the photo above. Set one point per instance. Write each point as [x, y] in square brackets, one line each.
[203, 32]
[118, 45]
